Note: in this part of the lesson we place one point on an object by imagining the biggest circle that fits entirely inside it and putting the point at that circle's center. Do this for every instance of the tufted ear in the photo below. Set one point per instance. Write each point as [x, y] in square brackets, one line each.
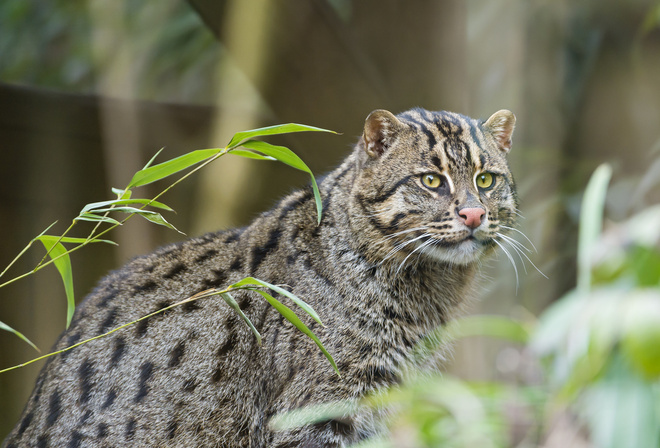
[501, 125]
[380, 128]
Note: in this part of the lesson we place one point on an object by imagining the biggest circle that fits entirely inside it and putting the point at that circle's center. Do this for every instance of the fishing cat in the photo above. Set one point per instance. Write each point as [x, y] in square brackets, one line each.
[421, 200]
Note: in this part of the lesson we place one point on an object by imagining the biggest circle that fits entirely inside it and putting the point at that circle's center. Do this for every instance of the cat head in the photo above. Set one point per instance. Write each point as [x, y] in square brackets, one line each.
[433, 186]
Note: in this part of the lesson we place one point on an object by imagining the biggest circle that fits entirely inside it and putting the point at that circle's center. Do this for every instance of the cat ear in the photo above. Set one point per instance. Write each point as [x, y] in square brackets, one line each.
[380, 128]
[501, 125]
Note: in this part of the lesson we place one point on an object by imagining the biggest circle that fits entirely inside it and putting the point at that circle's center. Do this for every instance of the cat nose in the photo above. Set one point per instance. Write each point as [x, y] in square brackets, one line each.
[472, 216]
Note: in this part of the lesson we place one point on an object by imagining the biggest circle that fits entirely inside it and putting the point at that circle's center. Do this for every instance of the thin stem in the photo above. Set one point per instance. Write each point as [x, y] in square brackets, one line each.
[199, 295]
[25, 249]
[59, 240]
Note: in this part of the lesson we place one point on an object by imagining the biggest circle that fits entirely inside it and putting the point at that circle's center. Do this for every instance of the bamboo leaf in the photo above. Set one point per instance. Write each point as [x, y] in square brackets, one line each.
[96, 218]
[124, 209]
[102, 205]
[67, 239]
[122, 194]
[173, 166]
[153, 159]
[281, 153]
[4, 326]
[272, 130]
[249, 154]
[157, 218]
[291, 317]
[285, 155]
[152, 216]
[234, 305]
[302, 304]
[62, 261]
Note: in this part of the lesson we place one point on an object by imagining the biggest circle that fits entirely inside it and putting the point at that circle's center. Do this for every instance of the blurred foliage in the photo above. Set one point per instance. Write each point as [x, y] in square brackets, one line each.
[51, 44]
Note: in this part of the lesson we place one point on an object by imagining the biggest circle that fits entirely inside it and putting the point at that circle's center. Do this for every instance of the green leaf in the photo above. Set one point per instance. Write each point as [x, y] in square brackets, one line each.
[285, 155]
[173, 166]
[67, 239]
[272, 130]
[157, 218]
[249, 154]
[281, 153]
[4, 326]
[291, 317]
[255, 281]
[96, 218]
[149, 215]
[234, 305]
[101, 205]
[122, 194]
[153, 159]
[62, 262]
[591, 223]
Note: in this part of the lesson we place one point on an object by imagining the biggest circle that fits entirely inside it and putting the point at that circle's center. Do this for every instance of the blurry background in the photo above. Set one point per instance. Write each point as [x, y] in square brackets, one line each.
[91, 89]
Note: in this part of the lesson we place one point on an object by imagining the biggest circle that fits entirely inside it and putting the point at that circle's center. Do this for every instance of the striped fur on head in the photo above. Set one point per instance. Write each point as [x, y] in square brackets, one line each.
[407, 221]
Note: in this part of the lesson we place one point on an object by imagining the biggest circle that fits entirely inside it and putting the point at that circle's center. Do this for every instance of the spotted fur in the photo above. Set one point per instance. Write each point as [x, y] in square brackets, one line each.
[391, 260]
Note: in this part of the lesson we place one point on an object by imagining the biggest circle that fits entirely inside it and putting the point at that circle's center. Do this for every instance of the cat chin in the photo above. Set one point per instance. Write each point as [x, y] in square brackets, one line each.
[465, 252]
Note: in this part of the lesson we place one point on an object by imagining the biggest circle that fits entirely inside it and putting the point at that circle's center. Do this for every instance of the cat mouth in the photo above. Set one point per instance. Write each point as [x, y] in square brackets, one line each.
[462, 250]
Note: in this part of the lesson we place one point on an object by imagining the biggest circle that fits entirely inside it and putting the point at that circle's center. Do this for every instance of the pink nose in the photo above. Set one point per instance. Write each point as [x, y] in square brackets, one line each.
[472, 216]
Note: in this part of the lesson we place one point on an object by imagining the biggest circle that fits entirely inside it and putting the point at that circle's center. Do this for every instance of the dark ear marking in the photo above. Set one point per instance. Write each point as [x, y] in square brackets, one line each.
[380, 128]
[500, 125]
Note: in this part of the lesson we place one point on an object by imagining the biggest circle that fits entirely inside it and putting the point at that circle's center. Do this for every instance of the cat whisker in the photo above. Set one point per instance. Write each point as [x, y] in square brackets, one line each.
[514, 242]
[421, 246]
[517, 252]
[415, 229]
[523, 235]
[513, 263]
[521, 254]
[400, 246]
[518, 213]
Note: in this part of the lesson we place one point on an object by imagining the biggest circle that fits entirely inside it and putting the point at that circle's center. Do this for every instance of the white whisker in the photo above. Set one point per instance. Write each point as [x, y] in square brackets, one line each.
[415, 229]
[421, 246]
[511, 241]
[513, 263]
[524, 236]
[400, 246]
[516, 250]
[514, 242]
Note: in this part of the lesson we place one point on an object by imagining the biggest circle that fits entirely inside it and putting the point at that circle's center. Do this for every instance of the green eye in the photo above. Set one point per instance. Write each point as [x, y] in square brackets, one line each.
[485, 180]
[432, 180]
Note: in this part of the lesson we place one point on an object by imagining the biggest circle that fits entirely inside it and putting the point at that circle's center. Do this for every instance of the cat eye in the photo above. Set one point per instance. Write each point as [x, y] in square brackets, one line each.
[485, 180]
[431, 180]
